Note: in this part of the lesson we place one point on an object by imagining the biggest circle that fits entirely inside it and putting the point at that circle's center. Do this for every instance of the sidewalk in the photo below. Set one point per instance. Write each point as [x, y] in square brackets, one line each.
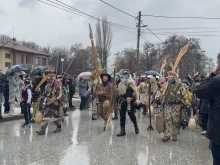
[18, 115]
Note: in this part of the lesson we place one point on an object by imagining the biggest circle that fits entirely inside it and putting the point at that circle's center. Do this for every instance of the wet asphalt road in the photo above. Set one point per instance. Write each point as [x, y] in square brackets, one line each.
[83, 142]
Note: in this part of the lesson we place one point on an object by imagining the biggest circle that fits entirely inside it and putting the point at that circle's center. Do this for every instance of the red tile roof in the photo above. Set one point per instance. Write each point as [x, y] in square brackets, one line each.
[19, 47]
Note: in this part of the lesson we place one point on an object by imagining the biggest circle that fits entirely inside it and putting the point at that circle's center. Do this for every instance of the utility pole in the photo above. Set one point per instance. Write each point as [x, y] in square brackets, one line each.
[138, 41]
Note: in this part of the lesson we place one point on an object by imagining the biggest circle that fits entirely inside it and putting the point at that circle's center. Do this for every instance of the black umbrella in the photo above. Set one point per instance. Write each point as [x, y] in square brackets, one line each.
[37, 69]
[16, 68]
[151, 72]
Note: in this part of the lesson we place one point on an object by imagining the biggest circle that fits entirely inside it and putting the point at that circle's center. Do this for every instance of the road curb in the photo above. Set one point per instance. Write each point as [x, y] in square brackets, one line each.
[20, 116]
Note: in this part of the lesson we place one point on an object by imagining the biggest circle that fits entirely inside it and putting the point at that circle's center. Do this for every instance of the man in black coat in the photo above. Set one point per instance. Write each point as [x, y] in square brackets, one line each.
[72, 90]
[210, 89]
[204, 112]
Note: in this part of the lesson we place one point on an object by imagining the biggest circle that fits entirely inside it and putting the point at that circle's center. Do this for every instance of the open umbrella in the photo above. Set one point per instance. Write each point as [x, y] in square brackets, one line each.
[16, 68]
[36, 70]
[153, 73]
[84, 74]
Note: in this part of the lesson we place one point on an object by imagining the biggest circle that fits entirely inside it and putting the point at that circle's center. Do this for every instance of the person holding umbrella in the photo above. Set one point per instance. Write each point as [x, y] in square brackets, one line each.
[14, 81]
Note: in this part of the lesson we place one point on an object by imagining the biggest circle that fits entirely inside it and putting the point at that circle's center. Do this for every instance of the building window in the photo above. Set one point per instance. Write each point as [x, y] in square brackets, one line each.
[40, 61]
[7, 64]
[22, 59]
[44, 61]
[7, 55]
[37, 60]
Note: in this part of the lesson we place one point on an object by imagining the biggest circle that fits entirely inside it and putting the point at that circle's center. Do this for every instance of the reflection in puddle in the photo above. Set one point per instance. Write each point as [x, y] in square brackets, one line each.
[77, 154]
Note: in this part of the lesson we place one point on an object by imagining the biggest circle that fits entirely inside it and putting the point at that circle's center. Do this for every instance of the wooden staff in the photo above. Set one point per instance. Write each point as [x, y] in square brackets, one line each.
[163, 65]
[69, 65]
[171, 65]
[94, 57]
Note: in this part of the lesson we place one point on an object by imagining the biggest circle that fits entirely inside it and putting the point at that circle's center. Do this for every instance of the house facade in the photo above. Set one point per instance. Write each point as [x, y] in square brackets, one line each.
[12, 53]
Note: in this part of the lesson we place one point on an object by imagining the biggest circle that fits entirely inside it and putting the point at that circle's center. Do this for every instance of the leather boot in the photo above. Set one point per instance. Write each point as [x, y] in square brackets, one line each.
[104, 128]
[122, 133]
[58, 129]
[174, 138]
[166, 138]
[136, 128]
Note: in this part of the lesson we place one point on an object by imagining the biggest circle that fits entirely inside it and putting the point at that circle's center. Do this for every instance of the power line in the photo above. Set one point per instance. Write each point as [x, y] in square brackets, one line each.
[153, 33]
[185, 28]
[101, 12]
[145, 39]
[190, 35]
[89, 17]
[118, 9]
[131, 16]
[63, 9]
[162, 16]
[176, 32]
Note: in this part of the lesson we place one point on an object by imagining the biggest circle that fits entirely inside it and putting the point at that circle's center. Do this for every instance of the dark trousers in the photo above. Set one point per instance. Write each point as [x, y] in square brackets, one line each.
[83, 102]
[6, 103]
[204, 121]
[70, 99]
[27, 113]
[216, 154]
[194, 111]
[130, 114]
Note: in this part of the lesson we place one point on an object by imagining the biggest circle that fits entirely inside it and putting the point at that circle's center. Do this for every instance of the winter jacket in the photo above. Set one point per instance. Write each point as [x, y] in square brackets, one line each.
[82, 89]
[1, 82]
[210, 89]
[14, 91]
[64, 82]
[72, 87]
[5, 86]
[204, 107]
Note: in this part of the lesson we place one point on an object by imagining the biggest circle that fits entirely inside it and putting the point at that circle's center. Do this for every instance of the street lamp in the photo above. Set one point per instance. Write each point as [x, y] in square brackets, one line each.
[62, 60]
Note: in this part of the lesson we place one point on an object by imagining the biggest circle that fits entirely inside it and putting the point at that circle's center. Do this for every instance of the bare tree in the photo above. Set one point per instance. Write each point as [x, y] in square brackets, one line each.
[46, 49]
[4, 38]
[103, 41]
[31, 45]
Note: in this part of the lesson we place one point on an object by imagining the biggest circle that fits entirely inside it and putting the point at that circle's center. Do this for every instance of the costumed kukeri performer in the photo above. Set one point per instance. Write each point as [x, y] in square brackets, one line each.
[64, 98]
[126, 90]
[104, 95]
[153, 87]
[51, 96]
[142, 88]
[64, 85]
[173, 97]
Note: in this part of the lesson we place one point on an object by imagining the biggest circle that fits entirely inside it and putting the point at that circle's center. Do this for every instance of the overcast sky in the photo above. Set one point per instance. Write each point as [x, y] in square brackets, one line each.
[43, 24]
